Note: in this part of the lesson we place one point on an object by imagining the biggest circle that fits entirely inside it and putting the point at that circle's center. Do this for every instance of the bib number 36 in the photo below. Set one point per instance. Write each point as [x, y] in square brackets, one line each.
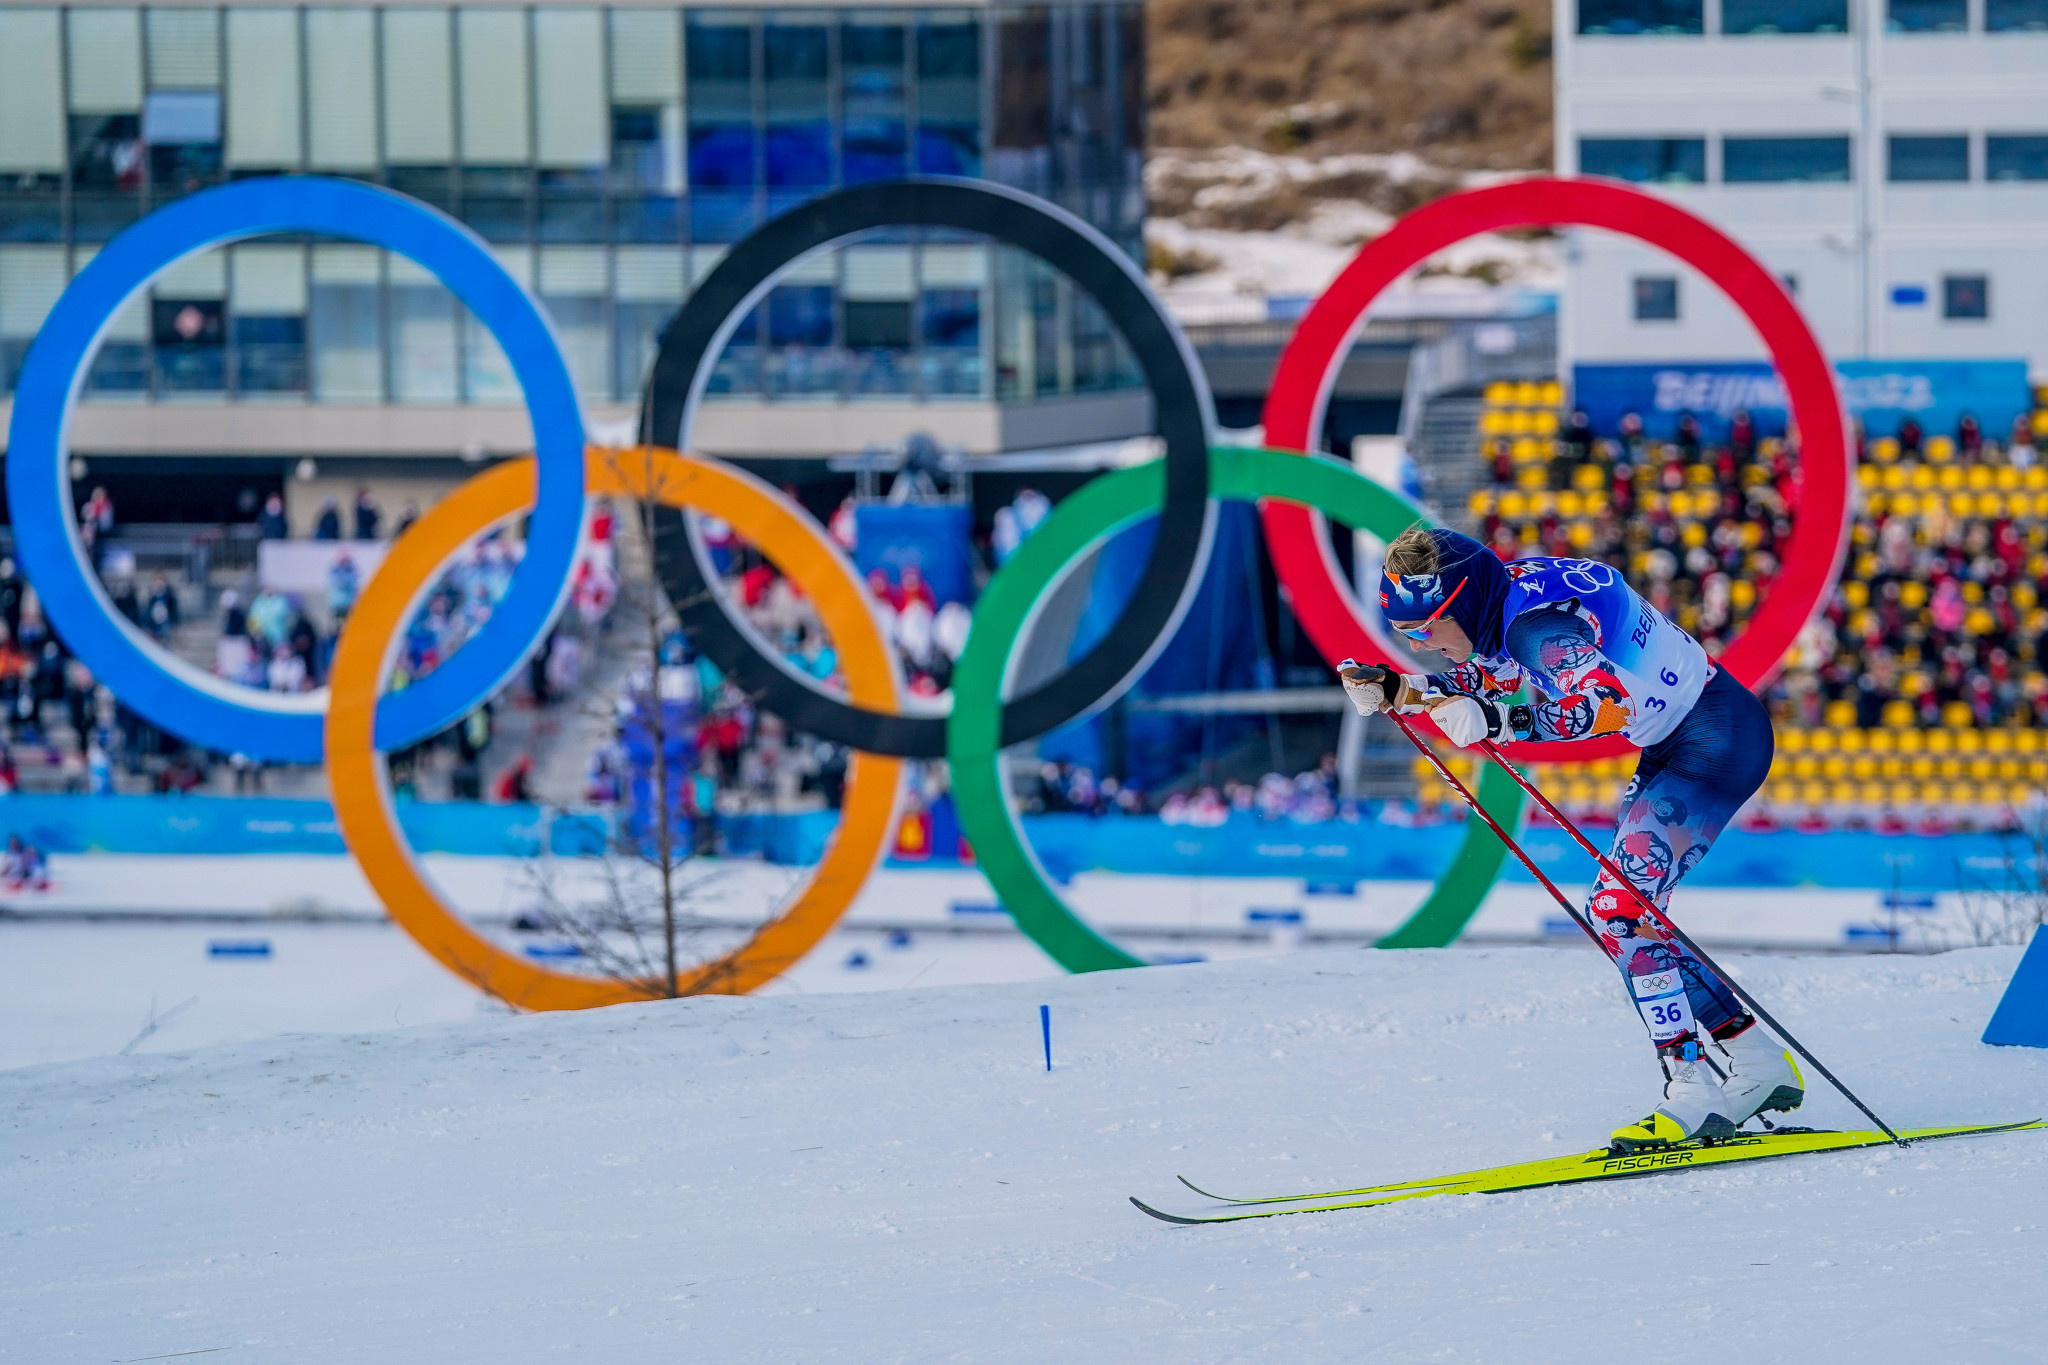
[1660, 996]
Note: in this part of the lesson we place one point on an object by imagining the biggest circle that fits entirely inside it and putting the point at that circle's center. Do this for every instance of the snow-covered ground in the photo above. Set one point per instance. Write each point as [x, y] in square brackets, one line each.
[895, 1176]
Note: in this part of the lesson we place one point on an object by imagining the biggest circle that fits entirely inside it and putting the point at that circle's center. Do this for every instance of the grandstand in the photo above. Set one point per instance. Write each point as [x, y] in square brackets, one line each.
[1915, 697]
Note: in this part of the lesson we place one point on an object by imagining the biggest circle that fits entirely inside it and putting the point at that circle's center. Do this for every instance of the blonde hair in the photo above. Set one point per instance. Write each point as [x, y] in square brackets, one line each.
[1413, 552]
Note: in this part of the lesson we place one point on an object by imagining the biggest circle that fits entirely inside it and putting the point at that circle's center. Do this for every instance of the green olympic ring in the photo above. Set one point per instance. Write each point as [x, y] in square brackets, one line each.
[1004, 614]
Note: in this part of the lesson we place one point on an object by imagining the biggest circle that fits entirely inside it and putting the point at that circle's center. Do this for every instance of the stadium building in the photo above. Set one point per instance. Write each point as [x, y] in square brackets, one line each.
[609, 154]
[1889, 158]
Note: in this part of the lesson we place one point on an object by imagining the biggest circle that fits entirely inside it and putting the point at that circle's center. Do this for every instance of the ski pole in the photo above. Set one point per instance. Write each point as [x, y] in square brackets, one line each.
[1660, 916]
[1447, 775]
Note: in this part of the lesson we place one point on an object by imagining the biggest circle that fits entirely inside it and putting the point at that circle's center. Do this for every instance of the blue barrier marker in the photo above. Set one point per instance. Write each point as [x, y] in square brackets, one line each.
[1045, 1027]
[2021, 1019]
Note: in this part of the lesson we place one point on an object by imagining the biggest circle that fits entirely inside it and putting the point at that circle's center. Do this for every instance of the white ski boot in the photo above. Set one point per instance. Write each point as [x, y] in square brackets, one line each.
[1694, 1107]
[1762, 1075]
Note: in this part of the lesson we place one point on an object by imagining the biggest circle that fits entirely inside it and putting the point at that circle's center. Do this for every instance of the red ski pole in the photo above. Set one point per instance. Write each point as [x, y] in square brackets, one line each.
[1755, 1006]
[1447, 775]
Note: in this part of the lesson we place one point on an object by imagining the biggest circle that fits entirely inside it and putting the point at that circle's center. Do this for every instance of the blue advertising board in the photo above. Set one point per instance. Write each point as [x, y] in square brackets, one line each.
[933, 539]
[1879, 393]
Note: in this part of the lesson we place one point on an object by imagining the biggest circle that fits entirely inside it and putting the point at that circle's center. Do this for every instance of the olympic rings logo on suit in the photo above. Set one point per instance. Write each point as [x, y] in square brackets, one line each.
[872, 718]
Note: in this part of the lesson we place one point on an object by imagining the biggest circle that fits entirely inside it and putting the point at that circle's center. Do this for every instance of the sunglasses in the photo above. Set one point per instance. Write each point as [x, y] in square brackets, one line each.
[1421, 632]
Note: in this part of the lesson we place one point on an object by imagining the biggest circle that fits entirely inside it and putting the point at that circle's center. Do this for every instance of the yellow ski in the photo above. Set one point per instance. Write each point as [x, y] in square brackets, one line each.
[1570, 1170]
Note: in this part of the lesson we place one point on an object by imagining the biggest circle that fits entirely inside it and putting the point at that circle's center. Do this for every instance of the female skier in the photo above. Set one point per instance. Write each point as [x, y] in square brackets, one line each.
[1597, 659]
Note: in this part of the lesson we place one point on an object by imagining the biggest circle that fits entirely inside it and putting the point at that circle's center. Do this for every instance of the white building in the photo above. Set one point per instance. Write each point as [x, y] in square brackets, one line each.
[1889, 158]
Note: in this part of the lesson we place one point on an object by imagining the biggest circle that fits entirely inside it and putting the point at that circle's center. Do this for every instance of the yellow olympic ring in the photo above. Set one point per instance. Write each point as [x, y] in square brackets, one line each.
[369, 643]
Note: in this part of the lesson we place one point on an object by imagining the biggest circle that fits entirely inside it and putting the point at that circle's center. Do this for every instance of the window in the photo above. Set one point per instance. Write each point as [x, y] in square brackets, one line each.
[1784, 16]
[719, 56]
[341, 89]
[1645, 160]
[1620, 17]
[872, 56]
[948, 95]
[267, 299]
[1019, 148]
[1775, 160]
[263, 85]
[2016, 156]
[1930, 158]
[1928, 16]
[2016, 16]
[31, 127]
[1965, 297]
[1656, 298]
[796, 71]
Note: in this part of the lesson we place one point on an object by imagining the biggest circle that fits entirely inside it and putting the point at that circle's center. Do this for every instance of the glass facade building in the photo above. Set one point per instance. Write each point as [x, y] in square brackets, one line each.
[608, 154]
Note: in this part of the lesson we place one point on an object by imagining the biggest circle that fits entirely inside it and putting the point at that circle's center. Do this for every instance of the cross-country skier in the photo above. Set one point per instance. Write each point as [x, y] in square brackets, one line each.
[1597, 659]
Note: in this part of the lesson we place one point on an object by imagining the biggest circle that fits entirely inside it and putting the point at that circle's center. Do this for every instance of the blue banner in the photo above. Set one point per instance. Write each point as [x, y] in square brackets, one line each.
[1334, 853]
[1879, 393]
[933, 539]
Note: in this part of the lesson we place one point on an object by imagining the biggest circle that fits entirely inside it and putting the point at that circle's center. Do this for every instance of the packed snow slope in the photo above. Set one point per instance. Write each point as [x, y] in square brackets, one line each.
[895, 1176]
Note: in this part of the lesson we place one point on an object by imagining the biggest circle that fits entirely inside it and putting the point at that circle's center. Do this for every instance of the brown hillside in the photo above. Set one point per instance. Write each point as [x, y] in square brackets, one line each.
[1464, 84]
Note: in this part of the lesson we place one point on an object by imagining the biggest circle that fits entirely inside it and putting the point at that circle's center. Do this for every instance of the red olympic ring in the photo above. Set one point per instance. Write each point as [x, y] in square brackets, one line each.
[1296, 537]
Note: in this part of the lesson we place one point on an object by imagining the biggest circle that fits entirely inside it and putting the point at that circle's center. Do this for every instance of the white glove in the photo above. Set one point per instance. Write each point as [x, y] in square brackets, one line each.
[1465, 721]
[1367, 685]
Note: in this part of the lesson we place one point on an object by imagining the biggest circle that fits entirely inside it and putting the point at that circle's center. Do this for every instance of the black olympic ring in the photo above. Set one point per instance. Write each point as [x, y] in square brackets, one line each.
[1183, 415]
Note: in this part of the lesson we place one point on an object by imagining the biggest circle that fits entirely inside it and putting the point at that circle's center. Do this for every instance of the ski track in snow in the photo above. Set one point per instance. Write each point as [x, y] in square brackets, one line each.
[894, 1177]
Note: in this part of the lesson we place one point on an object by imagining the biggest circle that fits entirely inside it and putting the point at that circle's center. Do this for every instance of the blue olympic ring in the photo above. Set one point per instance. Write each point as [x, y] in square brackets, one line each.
[174, 694]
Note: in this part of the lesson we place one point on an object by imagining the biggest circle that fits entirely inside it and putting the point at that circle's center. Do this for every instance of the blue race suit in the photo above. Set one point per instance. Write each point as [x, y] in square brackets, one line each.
[1597, 659]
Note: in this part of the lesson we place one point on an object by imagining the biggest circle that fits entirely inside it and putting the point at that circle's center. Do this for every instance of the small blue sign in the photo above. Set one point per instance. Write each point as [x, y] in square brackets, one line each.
[1909, 295]
[238, 947]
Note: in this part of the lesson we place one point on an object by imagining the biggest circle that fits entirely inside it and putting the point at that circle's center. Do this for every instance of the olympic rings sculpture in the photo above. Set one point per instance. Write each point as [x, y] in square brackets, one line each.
[362, 721]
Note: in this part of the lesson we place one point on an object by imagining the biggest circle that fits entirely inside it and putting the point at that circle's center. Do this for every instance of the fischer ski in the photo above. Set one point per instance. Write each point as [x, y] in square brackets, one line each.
[1583, 1168]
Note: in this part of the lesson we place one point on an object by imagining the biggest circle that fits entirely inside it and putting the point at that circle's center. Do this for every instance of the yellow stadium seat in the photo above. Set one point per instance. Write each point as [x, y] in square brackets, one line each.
[1840, 713]
[1968, 741]
[1950, 768]
[1499, 394]
[1940, 742]
[1792, 741]
[1851, 740]
[1480, 504]
[1940, 449]
[1920, 477]
[2026, 740]
[1834, 768]
[1869, 475]
[1813, 793]
[1805, 766]
[1871, 793]
[2035, 478]
[1983, 769]
[1551, 394]
[2011, 769]
[1528, 394]
[1998, 741]
[1493, 423]
[1884, 449]
[1863, 768]
[2006, 478]
[1949, 477]
[1544, 423]
[1977, 477]
[1820, 741]
[1904, 793]
[1956, 715]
